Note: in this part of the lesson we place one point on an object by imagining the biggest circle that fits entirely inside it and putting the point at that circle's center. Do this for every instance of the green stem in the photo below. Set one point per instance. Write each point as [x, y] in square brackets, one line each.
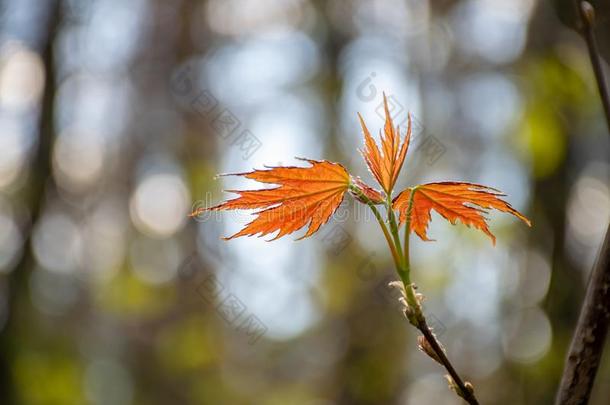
[418, 318]
[394, 229]
[384, 228]
[408, 229]
[401, 260]
[416, 315]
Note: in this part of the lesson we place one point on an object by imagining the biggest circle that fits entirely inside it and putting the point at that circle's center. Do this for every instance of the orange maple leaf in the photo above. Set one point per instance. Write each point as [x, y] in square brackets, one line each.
[308, 196]
[464, 202]
[304, 196]
[385, 164]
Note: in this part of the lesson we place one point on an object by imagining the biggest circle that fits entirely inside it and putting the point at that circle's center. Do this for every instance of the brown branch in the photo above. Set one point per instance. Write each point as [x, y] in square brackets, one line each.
[587, 15]
[590, 335]
[431, 346]
[465, 389]
[587, 345]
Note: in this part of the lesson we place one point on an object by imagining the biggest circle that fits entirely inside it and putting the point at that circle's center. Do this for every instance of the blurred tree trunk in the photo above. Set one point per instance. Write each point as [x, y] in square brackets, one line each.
[40, 175]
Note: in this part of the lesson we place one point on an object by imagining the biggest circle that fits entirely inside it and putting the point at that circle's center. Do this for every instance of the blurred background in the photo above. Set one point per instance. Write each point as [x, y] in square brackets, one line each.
[115, 117]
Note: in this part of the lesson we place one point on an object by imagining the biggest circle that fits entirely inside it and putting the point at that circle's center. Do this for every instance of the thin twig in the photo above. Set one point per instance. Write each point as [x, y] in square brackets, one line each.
[587, 15]
[467, 393]
[418, 319]
[587, 345]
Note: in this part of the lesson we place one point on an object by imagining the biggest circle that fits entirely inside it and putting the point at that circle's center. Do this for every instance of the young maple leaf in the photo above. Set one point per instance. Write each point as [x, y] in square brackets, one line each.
[308, 196]
[369, 192]
[464, 202]
[385, 164]
[304, 196]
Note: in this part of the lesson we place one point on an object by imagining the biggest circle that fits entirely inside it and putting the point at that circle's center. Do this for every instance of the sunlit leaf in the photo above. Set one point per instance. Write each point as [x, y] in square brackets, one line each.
[464, 202]
[385, 164]
[305, 196]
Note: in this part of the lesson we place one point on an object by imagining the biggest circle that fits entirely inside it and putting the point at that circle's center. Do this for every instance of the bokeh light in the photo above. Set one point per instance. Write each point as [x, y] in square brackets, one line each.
[158, 205]
[21, 77]
[116, 116]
